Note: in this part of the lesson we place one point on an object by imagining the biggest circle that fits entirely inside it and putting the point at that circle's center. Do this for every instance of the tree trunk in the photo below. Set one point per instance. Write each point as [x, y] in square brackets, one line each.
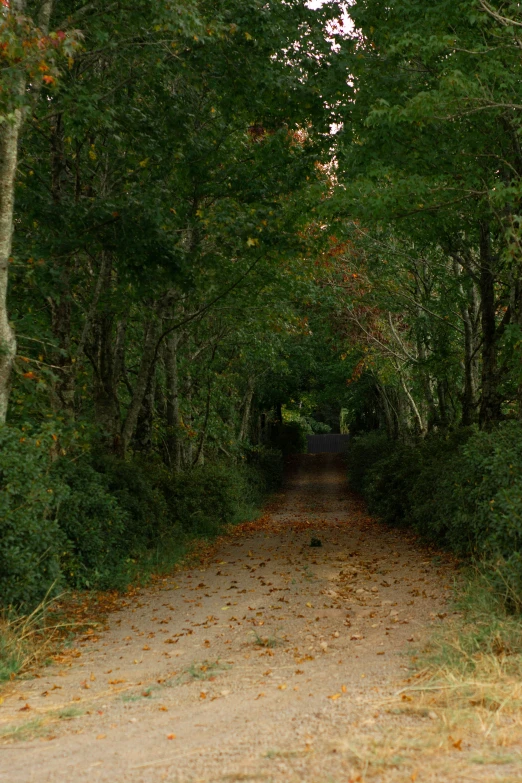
[173, 415]
[421, 424]
[9, 138]
[107, 358]
[490, 406]
[247, 407]
[470, 315]
[389, 413]
[144, 426]
[9, 134]
[147, 365]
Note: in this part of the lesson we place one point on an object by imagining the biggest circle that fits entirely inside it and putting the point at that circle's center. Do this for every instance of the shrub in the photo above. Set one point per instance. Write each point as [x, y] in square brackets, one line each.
[140, 489]
[462, 490]
[95, 522]
[364, 452]
[94, 527]
[29, 534]
[266, 470]
[207, 497]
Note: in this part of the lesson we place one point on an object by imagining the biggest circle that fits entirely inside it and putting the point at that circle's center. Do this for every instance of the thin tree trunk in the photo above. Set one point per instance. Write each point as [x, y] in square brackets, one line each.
[144, 426]
[108, 364]
[9, 133]
[9, 139]
[470, 315]
[490, 407]
[173, 415]
[247, 407]
[389, 414]
[147, 365]
[413, 405]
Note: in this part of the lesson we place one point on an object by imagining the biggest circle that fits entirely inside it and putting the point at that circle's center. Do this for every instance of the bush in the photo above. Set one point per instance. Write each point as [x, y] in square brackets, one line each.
[140, 489]
[462, 490]
[266, 472]
[98, 521]
[207, 497]
[93, 525]
[363, 454]
[30, 537]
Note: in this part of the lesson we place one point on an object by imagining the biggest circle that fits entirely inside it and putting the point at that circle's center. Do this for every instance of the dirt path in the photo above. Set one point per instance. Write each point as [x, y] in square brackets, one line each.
[273, 660]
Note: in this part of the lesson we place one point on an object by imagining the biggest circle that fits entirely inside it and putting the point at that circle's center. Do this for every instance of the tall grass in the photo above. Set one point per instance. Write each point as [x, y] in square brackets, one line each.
[28, 640]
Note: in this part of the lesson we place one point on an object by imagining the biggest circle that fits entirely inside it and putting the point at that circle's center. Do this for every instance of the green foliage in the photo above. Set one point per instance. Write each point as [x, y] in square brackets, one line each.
[94, 526]
[30, 537]
[266, 466]
[462, 491]
[209, 497]
[101, 523]
[486, 627]
[364, 452]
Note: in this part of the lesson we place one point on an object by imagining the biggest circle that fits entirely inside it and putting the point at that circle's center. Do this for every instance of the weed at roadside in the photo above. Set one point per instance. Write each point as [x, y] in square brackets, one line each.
[268, 641]
[206, 670]
[28, 640]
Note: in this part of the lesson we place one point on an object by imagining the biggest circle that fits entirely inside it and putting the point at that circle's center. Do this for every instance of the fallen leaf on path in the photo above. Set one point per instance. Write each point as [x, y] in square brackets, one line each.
[145, 647]
[283, 687]
[101, 736]
[117, 682]
[163, 708]
[25, 708]
[171, 736]
[259, 695]
[335, 696]
[202, 695]
[344, 689]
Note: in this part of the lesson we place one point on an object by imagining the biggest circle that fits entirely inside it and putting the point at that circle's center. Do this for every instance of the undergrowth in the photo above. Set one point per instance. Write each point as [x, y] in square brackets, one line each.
[460, 710]
[469, 677]
[28, 640]
[99, 523]
[461, 490]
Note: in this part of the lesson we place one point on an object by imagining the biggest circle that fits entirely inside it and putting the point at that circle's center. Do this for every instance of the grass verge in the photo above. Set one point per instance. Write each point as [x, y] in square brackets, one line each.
[459, 715]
